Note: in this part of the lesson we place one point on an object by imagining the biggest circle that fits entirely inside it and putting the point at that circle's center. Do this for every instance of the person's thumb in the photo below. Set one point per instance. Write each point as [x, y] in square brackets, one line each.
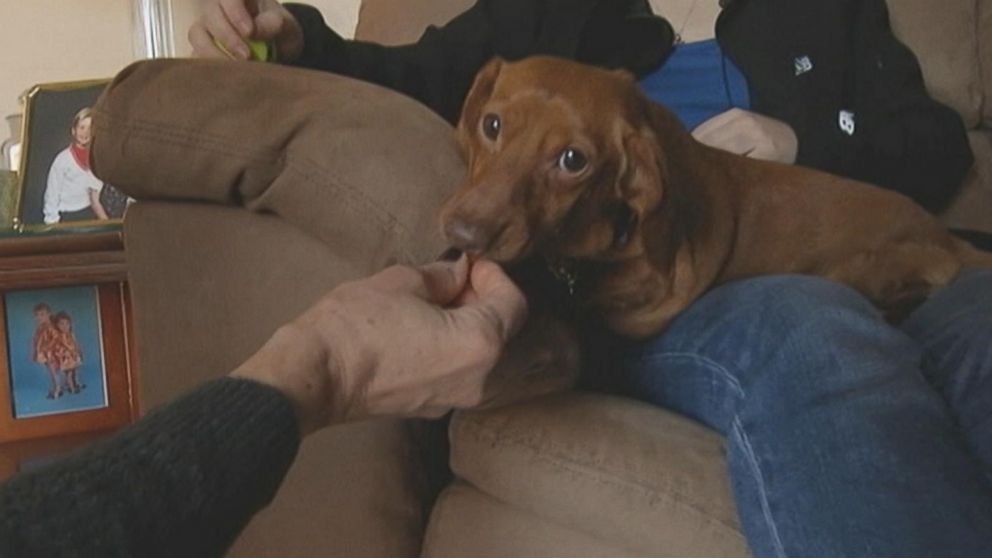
[444, 281]
[498, 298]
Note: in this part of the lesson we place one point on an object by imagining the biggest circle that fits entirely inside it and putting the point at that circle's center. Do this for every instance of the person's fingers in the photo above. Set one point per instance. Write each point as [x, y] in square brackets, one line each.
[236, 12]
[224, 32]
[444, 281]
[203, 44]
[438, 283]
[269, 26]
[498, 297]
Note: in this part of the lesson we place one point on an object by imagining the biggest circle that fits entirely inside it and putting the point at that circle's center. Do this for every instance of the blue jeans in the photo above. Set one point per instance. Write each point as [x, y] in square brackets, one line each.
[846, 437]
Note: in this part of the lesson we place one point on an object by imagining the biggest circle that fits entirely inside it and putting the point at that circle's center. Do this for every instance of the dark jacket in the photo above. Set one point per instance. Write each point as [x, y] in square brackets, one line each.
[807, 63]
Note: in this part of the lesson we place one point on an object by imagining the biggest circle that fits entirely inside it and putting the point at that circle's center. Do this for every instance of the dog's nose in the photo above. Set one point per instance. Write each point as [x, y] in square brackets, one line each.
[467, 237]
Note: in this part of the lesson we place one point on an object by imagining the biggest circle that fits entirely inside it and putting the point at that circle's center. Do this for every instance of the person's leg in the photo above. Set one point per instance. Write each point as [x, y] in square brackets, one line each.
[55, 391]
[954, 327]
[836, 445]
[85, 214]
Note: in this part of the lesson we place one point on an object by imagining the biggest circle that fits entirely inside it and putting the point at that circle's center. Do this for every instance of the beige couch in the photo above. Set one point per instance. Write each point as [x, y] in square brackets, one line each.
[574, 475]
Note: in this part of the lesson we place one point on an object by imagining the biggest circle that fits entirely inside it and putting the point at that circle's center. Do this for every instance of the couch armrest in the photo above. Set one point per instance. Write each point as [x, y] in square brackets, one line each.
[622, 471]
[209, 285]
[351, 163]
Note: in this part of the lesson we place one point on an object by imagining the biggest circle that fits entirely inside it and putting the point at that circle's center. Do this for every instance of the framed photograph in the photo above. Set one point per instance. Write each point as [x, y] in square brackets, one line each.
[66, 354]
[57, 187]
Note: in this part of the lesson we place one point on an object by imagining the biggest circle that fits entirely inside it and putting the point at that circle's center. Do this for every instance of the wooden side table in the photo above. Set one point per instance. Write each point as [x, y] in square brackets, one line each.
[67, 350]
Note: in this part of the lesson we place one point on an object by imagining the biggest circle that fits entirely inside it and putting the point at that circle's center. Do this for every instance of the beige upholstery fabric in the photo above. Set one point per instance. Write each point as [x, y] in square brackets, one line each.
[972, 209]
[470, 524]
[633, 475]
[984, 26]
[390, 22]
[352, 164]
[210, 284]
[944, 39]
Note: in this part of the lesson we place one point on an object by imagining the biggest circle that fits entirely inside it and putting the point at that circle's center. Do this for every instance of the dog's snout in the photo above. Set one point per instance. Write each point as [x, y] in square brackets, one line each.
[468, 237]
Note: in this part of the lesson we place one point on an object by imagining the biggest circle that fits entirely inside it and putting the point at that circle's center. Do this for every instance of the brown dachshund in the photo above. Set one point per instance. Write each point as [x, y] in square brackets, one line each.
[575, 164]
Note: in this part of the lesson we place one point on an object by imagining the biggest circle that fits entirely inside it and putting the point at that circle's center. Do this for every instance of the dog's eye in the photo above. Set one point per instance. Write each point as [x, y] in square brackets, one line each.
[491, 126]
[572, 160]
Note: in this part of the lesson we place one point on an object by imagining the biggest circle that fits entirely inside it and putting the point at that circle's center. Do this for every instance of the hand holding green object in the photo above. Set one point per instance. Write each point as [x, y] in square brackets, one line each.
[261, 51]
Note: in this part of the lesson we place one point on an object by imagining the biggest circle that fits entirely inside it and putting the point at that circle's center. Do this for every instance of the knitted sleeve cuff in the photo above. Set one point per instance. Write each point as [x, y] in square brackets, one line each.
[183, 481]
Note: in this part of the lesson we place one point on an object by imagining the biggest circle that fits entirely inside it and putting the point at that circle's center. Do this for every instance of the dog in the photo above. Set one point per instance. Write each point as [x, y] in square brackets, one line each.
[576, 166]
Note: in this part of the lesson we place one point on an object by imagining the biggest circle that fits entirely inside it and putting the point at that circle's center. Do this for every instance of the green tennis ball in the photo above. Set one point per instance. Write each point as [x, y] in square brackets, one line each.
[262, 51]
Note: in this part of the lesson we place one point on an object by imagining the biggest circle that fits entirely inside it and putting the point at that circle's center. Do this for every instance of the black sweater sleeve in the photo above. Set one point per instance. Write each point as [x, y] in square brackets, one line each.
[439, 68]
[183, 481]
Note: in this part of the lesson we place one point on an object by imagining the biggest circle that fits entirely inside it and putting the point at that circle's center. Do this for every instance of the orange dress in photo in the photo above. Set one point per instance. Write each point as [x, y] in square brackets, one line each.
[66, 353]
[44, 342]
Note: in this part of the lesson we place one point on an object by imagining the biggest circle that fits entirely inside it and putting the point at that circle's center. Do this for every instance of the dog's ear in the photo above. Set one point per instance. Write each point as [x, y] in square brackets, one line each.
[480, 92]
[641, 182]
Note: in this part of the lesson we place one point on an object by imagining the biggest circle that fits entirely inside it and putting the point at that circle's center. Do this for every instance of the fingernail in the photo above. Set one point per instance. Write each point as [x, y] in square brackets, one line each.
[450, 255]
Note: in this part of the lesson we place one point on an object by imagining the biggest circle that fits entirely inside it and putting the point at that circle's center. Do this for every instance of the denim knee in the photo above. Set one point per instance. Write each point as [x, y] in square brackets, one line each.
[777, 340]
[757, 314]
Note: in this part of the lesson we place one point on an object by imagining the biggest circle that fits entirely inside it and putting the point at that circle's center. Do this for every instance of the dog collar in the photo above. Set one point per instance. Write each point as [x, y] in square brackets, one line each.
[565, 273]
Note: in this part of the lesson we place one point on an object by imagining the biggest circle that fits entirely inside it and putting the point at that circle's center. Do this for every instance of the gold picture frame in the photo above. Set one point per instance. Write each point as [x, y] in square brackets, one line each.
[53, 115]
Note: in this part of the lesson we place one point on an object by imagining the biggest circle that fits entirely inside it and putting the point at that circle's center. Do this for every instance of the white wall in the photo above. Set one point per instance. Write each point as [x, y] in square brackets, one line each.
[59, 40]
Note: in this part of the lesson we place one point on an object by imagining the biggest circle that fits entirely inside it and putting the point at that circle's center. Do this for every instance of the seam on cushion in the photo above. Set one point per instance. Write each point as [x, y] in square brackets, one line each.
[428, 546]
[434, 522]
[984, 64]
[550, 451]
[145, 129]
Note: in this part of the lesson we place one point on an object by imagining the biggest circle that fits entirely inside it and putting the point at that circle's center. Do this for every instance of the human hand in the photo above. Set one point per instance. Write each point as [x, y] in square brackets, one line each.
[750, 134]
[405, 342]
[233, 22]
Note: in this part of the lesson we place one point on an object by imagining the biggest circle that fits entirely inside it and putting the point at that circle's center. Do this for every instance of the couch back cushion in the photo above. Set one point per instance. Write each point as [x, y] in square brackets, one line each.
[397, 22]
[985, 54]
[944, 37]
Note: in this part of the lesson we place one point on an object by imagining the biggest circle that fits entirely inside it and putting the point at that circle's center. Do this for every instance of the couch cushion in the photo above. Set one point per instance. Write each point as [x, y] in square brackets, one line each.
[972, 208]
[634, 476]
[985, 54]
[465, 522]
[943, 35]
[358, 166]
[210, 284]
[397, 22]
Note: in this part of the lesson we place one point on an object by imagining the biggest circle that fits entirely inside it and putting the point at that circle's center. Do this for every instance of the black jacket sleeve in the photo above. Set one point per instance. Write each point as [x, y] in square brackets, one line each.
[912, 143]
[807, 61]
[438, 69]
[183, 481]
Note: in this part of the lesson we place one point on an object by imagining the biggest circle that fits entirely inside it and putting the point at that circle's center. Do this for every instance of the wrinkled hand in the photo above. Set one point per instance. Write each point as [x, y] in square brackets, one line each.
[750, 134]
[233, 22]
[405, 342]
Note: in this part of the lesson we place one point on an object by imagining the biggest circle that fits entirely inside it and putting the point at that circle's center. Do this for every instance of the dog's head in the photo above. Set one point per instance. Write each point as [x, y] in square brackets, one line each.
[562, 160]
